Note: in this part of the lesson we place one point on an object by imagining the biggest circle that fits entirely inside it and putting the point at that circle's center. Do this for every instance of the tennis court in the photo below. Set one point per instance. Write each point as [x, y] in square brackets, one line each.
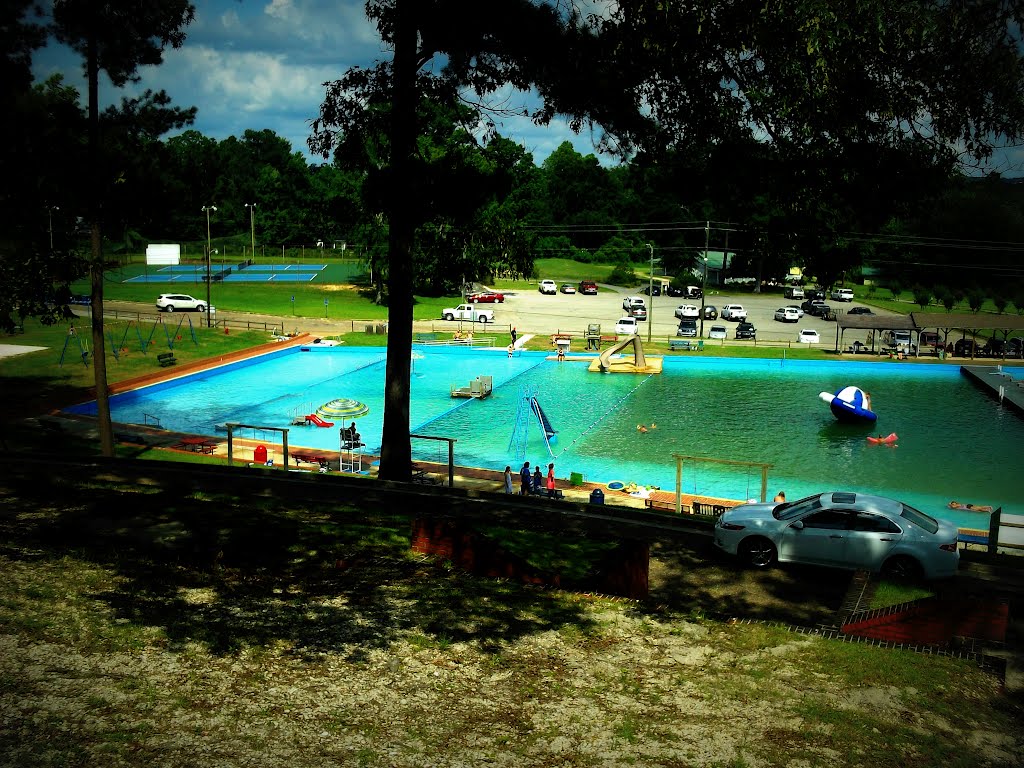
[237, 273]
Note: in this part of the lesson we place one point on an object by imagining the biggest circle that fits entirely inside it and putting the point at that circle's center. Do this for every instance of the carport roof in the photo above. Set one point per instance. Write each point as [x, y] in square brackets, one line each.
[917, 321]
[968, 321]
[878, 322]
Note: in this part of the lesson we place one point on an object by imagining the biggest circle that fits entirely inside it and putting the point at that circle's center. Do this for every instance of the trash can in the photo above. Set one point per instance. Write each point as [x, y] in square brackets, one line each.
[597, 496]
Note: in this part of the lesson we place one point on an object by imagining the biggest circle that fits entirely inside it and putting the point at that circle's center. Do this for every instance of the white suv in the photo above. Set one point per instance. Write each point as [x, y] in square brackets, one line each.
[548, 286]
[733, 312]
[168, 302]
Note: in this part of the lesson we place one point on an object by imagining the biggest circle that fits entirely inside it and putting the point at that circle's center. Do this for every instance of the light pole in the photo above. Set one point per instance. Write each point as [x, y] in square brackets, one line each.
[49, 211]
[252, 226]
[704, 277]
[206, 210]
[650, 294]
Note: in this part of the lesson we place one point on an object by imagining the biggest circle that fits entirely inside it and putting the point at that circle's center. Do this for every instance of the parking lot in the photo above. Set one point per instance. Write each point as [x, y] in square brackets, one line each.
[530, 311]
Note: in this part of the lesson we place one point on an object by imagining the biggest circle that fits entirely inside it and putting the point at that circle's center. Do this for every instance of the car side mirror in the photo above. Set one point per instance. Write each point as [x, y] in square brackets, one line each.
[797, 525]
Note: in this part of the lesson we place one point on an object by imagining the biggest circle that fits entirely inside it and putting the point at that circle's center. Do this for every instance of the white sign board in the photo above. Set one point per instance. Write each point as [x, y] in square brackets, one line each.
[163, 254]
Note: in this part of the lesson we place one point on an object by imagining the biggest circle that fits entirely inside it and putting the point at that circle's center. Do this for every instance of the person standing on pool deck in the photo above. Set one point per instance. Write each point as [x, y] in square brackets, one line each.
[551, 479]
[508, 479]
[514, 336]
[538, 479]
[524, 480]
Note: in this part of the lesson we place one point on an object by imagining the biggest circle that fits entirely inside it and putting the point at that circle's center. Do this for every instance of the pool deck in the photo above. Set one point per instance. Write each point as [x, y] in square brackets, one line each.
[998, 383]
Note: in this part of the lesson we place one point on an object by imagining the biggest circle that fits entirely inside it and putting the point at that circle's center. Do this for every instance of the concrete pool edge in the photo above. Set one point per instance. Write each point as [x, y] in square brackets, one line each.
[186, 369]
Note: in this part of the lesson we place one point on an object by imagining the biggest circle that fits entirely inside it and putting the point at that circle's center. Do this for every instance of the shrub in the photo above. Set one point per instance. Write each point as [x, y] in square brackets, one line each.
[623, 274]
[922, 296]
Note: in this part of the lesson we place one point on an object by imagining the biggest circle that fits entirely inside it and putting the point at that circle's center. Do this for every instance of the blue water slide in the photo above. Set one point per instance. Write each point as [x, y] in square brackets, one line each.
[550, 433]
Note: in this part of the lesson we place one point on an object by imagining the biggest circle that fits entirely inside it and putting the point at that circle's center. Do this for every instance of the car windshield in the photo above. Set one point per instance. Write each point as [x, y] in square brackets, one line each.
[920, 519]
[788, 511]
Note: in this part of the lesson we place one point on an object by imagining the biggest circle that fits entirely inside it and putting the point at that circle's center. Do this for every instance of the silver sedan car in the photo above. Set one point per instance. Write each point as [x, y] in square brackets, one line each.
[842, 530]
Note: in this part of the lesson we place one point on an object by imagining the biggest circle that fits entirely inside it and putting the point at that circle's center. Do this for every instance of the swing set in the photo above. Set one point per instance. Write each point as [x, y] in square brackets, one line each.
[749, 465]
[176, 335]
[83, 347]
[117, 347]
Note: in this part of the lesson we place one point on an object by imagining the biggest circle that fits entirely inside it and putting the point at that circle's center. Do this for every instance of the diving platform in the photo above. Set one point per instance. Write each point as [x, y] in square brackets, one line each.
[998, 384]
[611, 361]
[478, 388]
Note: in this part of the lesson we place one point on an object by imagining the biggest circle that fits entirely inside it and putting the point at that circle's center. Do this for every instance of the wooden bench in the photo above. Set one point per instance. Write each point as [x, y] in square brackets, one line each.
[166, 359]
[308, 458]
[545, 493]
[677, 344]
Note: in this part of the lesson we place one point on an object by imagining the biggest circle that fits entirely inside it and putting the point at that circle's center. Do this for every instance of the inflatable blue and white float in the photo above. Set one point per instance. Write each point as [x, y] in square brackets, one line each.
[851, 405]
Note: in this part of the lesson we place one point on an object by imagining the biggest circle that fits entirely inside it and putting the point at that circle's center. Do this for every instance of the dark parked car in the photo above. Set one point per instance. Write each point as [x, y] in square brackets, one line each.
[812, 294]
[81, 299]
[994, 348]
[746, 331]
[1002, 348]
[859, 311]
[965, 348]
[710, 312]
[588, 287]
[817, 308]
[675, 291]
[930, 339]
[651, 290]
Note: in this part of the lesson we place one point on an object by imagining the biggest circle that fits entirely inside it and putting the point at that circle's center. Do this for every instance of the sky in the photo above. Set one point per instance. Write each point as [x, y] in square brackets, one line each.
[261, 64]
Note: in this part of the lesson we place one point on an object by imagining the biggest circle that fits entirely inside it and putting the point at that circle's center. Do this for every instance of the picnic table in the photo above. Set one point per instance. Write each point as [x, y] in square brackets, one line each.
[197, 445]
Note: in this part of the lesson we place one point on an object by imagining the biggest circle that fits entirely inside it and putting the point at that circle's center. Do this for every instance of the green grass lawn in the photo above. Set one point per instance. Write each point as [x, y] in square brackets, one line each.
[143, 625]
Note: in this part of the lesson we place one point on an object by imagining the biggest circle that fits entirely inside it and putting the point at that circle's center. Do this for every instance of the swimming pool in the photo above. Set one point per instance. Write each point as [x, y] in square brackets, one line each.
[955, 441]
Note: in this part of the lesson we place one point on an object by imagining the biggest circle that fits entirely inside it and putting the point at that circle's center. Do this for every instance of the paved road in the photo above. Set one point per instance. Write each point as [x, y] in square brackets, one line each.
[529, 311]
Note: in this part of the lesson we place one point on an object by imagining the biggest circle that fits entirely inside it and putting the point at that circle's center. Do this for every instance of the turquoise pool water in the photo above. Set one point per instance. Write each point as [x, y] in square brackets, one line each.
[955, 441]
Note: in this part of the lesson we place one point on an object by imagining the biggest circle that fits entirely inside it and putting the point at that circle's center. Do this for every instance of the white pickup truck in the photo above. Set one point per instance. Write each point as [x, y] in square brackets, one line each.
[469, 312]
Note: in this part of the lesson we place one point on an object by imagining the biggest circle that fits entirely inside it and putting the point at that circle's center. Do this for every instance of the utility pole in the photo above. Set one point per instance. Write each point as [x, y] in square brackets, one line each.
[704, 278]
[206, 210]
[50, 209]
[650, 294]
[252, 227]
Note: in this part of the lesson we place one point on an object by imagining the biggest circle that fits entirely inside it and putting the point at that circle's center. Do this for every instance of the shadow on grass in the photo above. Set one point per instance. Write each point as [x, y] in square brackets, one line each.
[230, 573]
[699, 579]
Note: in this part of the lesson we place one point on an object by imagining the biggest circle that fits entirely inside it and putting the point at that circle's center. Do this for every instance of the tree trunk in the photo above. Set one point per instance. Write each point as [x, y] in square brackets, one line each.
[99, 352]
[396, 448]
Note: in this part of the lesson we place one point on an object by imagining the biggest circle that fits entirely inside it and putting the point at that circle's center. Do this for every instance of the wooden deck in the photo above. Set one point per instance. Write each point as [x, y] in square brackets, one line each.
[998, 383]
[690, 504]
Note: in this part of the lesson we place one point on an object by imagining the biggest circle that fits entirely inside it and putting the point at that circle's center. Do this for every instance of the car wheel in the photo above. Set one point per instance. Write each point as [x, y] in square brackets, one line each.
[474, 301]
[758, 552]
[902, 568]
[484, 319]
[449, 316]
[169, 308]
[200, 307]
[501, 301]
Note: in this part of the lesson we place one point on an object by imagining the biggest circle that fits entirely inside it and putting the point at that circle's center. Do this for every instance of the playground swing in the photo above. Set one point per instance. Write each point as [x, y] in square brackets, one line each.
[167, 333]
[116, 348]
[82, 347]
